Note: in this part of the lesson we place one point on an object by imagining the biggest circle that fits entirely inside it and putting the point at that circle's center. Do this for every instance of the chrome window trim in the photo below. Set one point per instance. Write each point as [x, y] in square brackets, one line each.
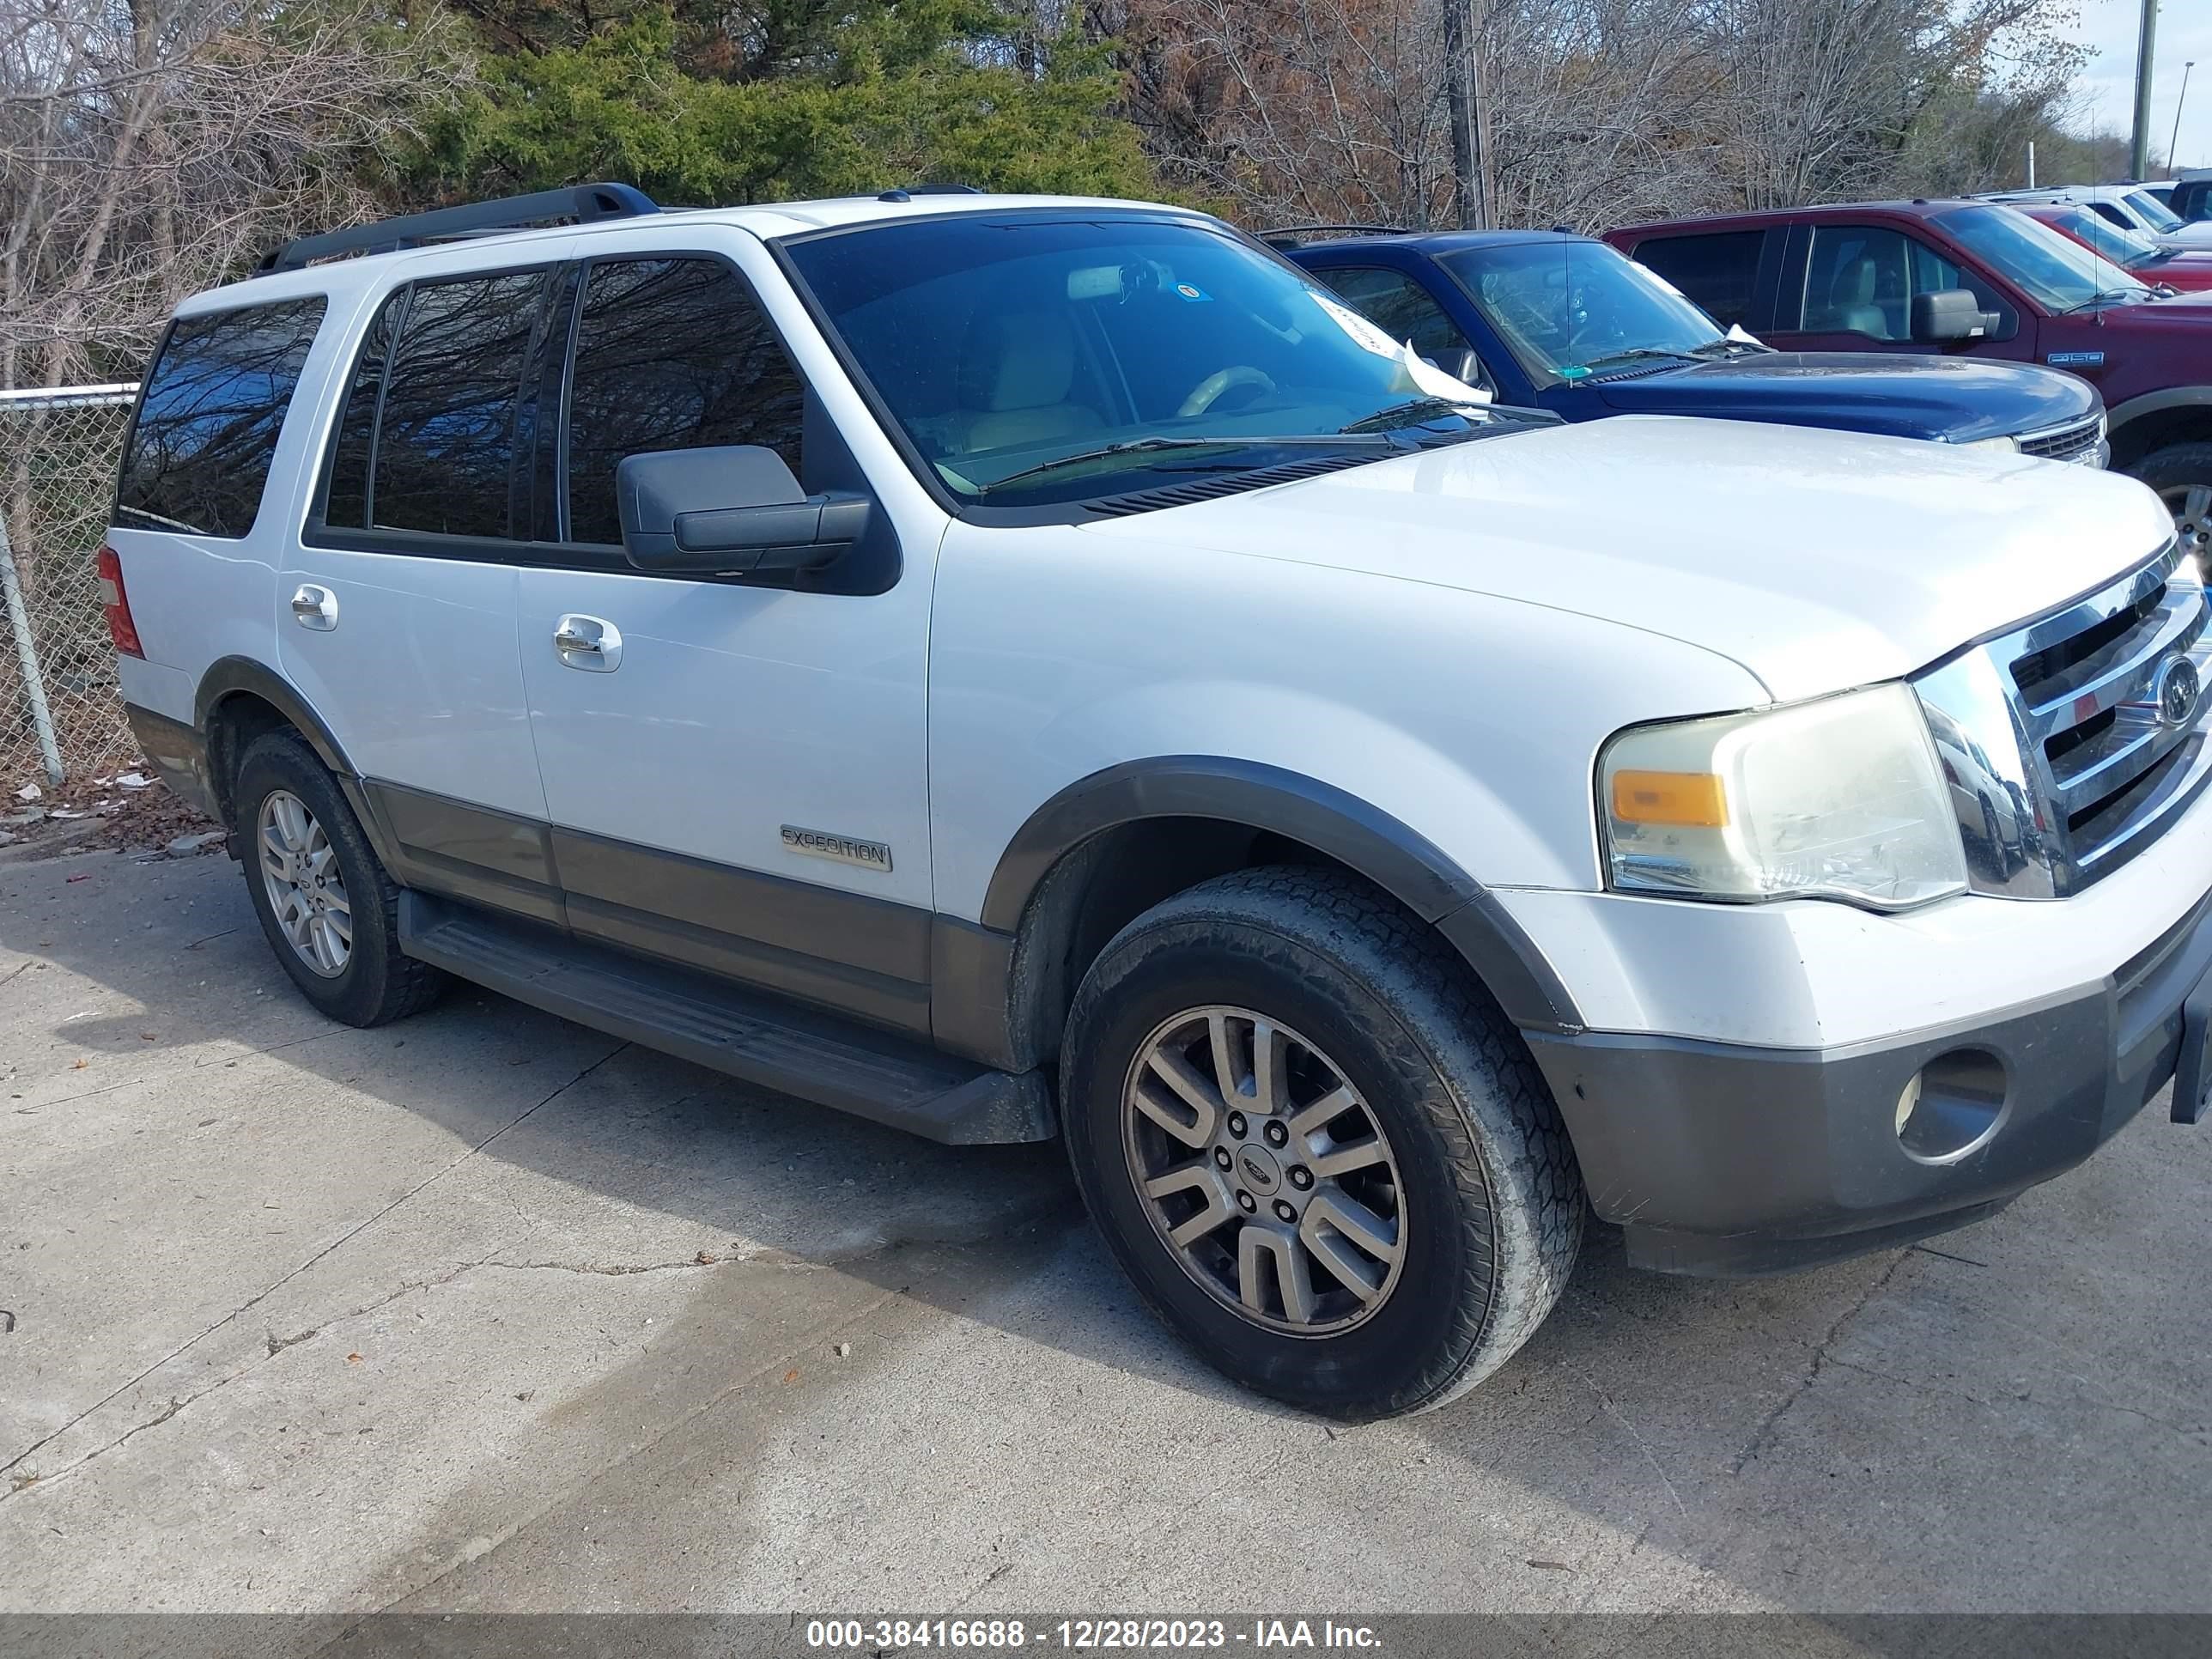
[2012, 804]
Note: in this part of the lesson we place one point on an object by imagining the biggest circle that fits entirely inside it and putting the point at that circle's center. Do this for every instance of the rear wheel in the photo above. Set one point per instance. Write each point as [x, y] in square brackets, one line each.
[331, 913]
[1318, 1147]
[2182, 475]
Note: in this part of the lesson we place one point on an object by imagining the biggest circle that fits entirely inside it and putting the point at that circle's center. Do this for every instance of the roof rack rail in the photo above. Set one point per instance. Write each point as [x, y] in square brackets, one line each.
[908, 192]
[1292, 235]
[581, 203]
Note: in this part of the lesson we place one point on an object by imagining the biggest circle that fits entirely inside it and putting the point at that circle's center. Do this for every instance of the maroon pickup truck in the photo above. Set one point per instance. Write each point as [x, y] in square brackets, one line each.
[1973, 279]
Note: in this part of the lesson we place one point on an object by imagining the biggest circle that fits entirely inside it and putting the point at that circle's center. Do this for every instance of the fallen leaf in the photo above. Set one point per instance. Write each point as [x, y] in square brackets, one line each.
[353, 1360]
[1552, 1566]
[79, 1065]
[148, 1036]
[791, 1377]
[82, 878]
[704, 1260]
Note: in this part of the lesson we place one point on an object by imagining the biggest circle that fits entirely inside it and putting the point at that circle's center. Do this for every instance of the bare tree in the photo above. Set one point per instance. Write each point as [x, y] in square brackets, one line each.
[147, 147]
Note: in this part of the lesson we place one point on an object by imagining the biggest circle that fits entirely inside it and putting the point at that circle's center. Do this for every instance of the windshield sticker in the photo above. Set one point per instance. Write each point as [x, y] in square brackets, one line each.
[1193, 292]
[1571, 371]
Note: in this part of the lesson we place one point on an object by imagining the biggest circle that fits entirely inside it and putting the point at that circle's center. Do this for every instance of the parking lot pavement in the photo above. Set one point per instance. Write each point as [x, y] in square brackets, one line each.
[487, 1311]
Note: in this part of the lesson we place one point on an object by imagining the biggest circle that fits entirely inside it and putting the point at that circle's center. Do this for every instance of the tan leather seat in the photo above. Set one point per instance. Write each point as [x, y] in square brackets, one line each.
[1851, 301]
[1017, 369]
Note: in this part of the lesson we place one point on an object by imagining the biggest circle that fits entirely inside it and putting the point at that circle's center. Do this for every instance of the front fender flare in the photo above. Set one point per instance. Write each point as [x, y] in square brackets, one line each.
[1400, 860]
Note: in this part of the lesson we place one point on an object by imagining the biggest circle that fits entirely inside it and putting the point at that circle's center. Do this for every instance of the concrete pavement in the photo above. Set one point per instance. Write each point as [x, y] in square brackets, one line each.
[486, 1311]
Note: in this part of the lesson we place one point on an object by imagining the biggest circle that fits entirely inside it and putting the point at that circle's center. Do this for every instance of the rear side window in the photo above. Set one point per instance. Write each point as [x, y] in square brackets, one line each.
[429, 422]
[1716, 272]
[670, 354]
[206, 427]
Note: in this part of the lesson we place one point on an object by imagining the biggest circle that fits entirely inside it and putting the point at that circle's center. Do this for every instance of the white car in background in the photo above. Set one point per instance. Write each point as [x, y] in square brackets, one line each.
[2132, 207]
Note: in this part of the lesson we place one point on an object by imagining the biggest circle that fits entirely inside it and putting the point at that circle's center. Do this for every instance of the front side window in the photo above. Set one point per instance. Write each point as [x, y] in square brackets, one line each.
[670, 354]
[2058, 275]
[444, 445]
[1569, 308]
[1856, 282]
[1716, 272]
[206, 431]
[1030, 360]
[1401, 308]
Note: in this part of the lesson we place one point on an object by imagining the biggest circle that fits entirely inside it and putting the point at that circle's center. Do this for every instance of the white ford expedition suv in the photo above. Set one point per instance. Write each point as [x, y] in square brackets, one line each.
[1010, 667]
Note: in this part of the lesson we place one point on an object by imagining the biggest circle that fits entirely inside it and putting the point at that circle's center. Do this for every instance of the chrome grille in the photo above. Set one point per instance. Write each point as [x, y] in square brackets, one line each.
[2082, 441]
[2071, 742]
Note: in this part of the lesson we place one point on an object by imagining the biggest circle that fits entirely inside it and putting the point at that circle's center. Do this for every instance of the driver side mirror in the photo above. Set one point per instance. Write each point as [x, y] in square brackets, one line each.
[1948, 315]
[732, 510]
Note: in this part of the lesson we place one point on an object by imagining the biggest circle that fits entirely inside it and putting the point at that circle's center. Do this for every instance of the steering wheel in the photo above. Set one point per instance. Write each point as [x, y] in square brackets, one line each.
[1207, 392]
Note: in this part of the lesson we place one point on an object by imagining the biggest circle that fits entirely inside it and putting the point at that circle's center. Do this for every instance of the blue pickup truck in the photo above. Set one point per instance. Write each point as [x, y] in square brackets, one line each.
[1568, 324]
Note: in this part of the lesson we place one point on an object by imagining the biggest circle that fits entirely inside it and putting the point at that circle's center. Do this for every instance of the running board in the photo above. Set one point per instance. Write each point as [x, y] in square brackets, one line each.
[762, 1040]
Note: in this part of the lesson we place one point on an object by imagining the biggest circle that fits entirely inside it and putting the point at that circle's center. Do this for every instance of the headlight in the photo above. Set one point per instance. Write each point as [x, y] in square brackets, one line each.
[1842, 798]
[2009, 444]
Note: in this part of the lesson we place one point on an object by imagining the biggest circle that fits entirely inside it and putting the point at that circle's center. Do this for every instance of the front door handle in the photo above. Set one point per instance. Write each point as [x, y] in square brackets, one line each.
[316, 608]
[591, 643]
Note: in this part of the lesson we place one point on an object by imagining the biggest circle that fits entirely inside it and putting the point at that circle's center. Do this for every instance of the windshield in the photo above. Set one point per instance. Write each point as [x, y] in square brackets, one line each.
[2155, 213]
[2057, 273]
[1566, 306]
[2122, 247]
[1032, 360]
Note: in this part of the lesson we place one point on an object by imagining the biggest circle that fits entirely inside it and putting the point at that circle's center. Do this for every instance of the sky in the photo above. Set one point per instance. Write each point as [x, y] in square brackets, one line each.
[2108, 83]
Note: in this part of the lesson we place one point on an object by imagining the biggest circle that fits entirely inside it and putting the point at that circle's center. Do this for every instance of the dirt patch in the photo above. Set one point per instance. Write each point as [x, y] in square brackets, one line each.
[131, 811]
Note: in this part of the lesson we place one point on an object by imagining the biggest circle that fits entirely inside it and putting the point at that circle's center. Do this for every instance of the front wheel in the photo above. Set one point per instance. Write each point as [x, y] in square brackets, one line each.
[2182, 475]
[1316, 1146]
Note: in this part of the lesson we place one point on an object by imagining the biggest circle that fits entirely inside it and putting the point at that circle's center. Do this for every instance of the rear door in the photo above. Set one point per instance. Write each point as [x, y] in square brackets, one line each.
[397, 607]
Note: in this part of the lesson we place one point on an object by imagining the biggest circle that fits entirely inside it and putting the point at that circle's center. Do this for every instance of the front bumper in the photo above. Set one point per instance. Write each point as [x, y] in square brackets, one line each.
[1726, 1159]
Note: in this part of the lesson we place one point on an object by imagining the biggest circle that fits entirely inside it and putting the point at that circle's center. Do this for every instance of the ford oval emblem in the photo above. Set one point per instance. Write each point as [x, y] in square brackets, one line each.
[2176, 690]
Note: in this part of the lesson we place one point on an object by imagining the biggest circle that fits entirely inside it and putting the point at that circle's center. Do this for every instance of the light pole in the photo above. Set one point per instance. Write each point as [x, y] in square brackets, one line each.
[2146, 52]
[2173, 163]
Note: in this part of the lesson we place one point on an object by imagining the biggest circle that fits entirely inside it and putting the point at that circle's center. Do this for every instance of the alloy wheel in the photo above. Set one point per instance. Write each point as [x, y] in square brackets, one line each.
[307, 893]
[1264, 1170]
[2191, 506]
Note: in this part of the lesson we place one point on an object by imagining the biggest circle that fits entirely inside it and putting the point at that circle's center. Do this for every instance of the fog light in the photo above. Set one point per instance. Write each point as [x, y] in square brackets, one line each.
[1953, 1105]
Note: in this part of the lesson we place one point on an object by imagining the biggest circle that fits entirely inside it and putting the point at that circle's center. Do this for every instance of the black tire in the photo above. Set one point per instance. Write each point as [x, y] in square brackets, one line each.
[377, 984]
[2176, 472]
[1477, 1139]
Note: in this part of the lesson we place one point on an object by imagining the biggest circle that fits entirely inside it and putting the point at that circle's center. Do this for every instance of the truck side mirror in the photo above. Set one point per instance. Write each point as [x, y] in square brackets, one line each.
[1948, 315]
[731, 510]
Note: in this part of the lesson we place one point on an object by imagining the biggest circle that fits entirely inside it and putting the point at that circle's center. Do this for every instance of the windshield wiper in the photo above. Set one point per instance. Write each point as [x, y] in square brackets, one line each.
[1156, 441]
[2100, 297]
[1411, 412]
[1638, 354]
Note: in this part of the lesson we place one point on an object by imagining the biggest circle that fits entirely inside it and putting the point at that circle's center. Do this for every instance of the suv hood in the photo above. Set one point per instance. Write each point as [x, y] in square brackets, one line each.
[1817, 559]
[1959, 399]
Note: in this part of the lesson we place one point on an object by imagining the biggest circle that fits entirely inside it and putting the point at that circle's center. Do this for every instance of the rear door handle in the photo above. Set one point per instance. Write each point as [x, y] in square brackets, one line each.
[591, 643]
[316, 608]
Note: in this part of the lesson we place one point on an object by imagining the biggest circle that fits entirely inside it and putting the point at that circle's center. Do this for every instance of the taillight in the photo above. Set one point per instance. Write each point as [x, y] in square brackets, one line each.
[116, 604]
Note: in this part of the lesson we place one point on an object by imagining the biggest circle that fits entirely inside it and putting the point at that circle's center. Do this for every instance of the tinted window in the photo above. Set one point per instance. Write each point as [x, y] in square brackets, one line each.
[670, 354]
[347, 503]
[1857, 283]
[445, 446]
[207, 428]
[1567, 307]
[1717, 272]
[1400, 307]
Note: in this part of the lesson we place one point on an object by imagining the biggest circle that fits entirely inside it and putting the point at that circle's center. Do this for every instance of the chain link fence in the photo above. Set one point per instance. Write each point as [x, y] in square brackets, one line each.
[60, 718]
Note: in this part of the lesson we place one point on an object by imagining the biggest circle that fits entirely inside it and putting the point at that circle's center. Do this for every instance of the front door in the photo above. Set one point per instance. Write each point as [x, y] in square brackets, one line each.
[1858, 282]
[734, 773]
